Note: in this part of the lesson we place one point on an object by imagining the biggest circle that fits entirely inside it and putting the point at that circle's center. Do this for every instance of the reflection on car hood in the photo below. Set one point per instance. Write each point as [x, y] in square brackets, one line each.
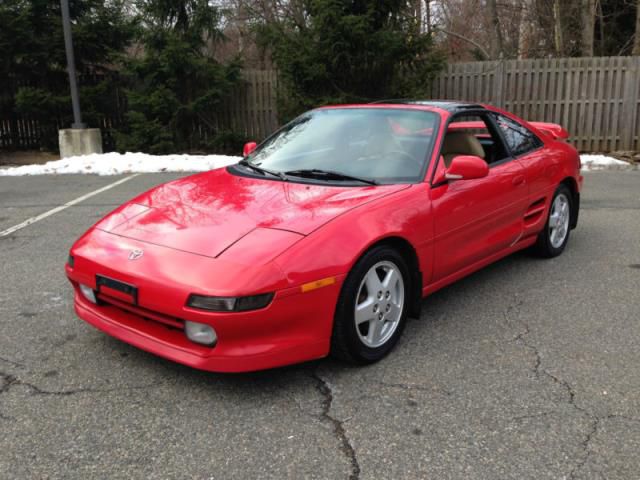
[208, 212]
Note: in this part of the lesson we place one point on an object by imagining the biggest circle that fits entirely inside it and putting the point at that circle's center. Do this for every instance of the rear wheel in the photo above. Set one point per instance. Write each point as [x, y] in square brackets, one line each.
[372, 307]
[553, 239]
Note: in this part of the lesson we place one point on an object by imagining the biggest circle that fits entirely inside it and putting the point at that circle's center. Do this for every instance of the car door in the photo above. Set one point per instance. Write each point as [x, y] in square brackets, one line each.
[476, 219]
[539, 165]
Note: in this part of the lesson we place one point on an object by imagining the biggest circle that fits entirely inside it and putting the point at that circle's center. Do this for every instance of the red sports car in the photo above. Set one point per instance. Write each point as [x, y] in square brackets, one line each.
[326, 236]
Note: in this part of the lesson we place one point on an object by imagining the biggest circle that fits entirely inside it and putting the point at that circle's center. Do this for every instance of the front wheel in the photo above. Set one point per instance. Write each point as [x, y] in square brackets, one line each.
[372, 307]
[553, 239]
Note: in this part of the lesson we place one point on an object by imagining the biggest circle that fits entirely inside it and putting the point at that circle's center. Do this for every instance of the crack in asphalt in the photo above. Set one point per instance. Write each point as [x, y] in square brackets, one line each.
[623, 417]
[413, 386]
[532, 415]
[7, 381]
[10, 381]
[538, 371]
[338, 426]
[585, 445]
[11, 362]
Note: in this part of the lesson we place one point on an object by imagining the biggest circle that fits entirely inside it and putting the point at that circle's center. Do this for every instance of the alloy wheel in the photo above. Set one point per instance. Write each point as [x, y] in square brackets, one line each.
[559, 220]
[379, 304]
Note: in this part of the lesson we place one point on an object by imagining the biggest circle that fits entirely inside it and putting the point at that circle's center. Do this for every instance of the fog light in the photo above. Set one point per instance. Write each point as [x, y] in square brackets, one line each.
[200, 333]
[88, 293]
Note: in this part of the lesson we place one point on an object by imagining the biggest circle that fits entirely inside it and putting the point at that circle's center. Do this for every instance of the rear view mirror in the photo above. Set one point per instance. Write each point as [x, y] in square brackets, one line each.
[248, 148]
[466, 167]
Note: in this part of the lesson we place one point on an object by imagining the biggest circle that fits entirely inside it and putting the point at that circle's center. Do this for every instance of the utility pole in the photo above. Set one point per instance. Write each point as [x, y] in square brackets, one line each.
[71, 66]
[77, 140]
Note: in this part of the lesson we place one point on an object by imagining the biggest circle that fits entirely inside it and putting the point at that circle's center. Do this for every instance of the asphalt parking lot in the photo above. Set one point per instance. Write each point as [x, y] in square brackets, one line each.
[527, 369]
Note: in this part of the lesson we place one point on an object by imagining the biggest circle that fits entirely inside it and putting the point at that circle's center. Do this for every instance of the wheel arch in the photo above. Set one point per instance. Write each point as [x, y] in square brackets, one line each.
[572, 185]
[410, 255]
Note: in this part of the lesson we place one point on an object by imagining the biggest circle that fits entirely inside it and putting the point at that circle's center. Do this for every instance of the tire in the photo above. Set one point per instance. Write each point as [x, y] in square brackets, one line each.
[554, 237]
[382, 307]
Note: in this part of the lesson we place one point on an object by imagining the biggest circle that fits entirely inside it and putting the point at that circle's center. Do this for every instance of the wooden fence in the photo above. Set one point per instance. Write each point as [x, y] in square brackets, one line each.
[596, 99]
[251, 108]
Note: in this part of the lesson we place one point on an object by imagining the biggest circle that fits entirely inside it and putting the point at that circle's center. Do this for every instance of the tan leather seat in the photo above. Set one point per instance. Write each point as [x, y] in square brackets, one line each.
[460, 143]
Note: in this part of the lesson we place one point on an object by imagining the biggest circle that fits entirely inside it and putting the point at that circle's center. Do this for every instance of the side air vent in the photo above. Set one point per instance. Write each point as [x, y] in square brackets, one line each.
[535, 211]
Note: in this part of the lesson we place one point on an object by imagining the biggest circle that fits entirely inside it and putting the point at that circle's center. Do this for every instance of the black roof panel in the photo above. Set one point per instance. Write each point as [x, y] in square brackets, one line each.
[450, 105]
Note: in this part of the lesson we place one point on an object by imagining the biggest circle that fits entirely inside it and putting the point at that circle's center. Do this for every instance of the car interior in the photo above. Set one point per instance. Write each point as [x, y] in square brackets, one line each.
[472, 135]
[387, 152]
[462, 143]
[390, 146]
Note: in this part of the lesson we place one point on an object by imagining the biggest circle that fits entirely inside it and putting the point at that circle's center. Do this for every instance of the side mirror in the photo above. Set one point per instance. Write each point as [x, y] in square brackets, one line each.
[248, 148]
[466, 167]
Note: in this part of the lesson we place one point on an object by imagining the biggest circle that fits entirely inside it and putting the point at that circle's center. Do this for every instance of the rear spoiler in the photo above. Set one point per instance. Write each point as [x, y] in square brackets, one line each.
[552, 129]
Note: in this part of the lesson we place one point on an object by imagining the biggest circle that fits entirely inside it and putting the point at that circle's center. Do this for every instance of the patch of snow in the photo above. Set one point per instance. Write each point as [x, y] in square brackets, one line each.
[600, 162]
[117, 163]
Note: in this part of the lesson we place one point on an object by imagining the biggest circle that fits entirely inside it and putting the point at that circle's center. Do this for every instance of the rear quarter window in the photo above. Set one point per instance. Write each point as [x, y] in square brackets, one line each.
[520, 139]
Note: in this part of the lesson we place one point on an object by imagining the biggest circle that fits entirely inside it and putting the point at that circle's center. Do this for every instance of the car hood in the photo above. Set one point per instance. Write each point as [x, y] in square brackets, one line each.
[208, 212]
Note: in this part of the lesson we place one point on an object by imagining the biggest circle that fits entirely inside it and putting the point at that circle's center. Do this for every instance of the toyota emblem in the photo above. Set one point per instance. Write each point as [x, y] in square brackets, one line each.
[135, 254]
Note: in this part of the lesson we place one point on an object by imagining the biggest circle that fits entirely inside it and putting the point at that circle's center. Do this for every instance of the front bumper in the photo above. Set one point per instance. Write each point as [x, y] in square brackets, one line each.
[294, 328]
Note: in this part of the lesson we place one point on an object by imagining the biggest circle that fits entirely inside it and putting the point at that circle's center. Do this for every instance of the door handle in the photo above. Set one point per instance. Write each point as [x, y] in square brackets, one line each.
[518, 180]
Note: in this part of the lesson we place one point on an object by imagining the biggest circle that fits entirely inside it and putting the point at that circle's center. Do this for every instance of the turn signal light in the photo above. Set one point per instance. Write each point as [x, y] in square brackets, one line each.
[88, 293]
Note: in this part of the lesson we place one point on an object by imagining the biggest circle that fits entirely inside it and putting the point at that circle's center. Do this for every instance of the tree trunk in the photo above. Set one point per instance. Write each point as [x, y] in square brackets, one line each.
[496, 38]
[636, 43]
[557, 29]
[428, 15]
[417, 11]
[526, 28]
[601, 28]
[588, 13]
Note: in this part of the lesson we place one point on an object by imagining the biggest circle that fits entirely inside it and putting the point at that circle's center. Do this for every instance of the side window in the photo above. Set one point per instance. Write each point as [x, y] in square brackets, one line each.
[472, 134]
[519, 139]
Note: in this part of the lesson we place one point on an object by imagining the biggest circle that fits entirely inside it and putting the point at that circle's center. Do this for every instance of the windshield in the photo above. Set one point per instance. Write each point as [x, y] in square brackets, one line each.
[377, 144]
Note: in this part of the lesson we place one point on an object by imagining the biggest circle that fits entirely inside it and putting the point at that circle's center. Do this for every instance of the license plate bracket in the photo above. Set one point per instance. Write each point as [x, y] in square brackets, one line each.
[116, 288]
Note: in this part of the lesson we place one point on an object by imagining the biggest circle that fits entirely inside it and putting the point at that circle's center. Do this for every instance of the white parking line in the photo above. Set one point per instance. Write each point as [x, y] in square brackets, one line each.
[46, 214]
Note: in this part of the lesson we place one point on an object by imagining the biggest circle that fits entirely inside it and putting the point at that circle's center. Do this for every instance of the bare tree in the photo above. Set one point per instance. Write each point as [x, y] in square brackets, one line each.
[470, 29]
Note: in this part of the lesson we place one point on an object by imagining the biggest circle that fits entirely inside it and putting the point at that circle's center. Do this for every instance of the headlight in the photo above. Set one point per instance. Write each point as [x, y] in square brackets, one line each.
[230, 304]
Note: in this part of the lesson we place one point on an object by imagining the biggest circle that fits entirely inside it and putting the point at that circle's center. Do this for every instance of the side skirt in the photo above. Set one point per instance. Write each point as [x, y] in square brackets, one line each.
[522, 244]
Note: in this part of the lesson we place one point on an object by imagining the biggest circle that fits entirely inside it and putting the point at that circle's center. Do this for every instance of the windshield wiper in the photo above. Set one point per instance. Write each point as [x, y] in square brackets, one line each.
[264, 171]
[328, 175]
